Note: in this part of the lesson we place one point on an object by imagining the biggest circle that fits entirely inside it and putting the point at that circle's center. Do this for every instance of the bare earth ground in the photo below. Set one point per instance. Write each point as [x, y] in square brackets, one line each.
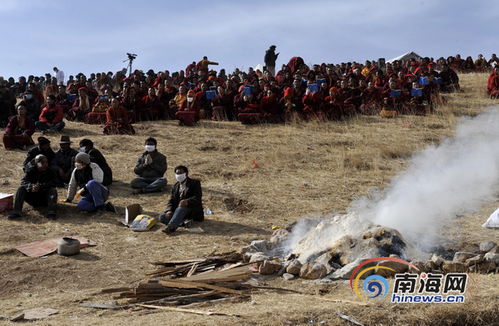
[304, 169]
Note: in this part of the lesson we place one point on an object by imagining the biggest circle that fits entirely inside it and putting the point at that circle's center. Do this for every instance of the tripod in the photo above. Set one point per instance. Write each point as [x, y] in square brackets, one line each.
[130, 59]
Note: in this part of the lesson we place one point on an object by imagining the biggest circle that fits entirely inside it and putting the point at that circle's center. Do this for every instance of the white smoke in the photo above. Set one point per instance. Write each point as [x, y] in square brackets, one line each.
[442, 181]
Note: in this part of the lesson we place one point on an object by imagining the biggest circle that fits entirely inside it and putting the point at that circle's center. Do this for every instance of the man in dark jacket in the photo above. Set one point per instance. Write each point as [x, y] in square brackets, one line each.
[87, 146]
[151, 167]
[185, 203]
[270, 58]
[42, 148]
[37, 188]
[64, 161]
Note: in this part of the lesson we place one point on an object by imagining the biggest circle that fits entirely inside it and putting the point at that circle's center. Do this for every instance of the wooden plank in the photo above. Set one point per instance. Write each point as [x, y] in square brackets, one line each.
[198, 285]
[190, 311]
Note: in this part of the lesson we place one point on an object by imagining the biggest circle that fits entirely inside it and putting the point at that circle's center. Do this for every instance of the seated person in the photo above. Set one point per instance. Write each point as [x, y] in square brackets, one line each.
[37, 189]
[493, 83]
[19, 130]
[98, 114]
[51, 118]
[81, 106]
[42, 148]
[86, 182]
[87, 146]
[151, 167]
[185, 202]
[117, 121]
[188, 111]
[64, 161]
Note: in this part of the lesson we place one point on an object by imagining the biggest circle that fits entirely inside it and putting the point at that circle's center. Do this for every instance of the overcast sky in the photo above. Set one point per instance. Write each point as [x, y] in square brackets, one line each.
[92, 36]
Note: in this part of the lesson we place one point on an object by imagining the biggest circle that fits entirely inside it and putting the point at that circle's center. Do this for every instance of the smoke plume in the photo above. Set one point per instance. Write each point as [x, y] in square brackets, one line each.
[455, 177]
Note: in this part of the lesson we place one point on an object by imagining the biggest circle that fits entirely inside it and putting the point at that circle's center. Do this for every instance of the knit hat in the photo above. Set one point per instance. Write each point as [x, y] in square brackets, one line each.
[39, 158]
[82, 158]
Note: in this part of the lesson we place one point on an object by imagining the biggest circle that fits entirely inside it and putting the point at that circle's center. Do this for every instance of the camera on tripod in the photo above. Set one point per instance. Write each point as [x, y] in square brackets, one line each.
[131, 56]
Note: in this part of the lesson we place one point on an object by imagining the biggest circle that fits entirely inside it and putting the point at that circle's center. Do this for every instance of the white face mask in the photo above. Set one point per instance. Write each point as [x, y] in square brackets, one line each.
[180, 177]
[190, 99]
[79, 166]
[150, 148]
[83, 149]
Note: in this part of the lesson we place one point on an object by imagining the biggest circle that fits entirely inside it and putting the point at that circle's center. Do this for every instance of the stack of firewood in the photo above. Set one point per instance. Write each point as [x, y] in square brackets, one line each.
[191, 283]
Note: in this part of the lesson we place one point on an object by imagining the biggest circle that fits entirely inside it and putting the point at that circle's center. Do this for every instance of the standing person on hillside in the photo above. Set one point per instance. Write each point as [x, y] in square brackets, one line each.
[151, 167]
[203, 65]
[87, 146]
[270, 59]
[59, 75]
[186, 202]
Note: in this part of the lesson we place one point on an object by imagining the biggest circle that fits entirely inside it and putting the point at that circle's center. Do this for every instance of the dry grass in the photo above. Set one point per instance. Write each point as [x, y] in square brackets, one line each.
[303, 169]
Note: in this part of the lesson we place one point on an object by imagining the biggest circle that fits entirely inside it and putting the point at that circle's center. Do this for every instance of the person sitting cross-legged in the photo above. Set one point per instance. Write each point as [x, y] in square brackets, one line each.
[37, 188]
[86, 182]
[185, 203]
[151, 167]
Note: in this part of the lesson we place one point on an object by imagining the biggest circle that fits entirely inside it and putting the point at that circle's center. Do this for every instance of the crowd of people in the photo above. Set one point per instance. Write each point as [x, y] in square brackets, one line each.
[296, 91]
[87, 177]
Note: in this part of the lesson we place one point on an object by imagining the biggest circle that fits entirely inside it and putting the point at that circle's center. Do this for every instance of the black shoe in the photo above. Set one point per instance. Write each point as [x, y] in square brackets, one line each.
[170, 229]
[110, 208]
[187, 224]
[52, 216]
[13, 216]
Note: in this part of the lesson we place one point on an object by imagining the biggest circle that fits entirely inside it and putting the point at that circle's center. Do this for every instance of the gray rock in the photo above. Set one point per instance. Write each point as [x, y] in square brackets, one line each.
[474, 260]
[259, 256]
[462, 256]
[454, 267]
[279, 236]
[288, 276]
[269, 267]
[257, 246]
[487, 246]
[346, 271]
[313, 271]
[398, 268]
[294, 267]
[491, 257]
[437, 260]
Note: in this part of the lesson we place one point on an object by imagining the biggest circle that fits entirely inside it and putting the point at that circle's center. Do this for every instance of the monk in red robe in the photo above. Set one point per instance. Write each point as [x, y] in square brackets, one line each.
[19, 130]
[150, 107]
[117, 122]
[493, 83]
[188, 111]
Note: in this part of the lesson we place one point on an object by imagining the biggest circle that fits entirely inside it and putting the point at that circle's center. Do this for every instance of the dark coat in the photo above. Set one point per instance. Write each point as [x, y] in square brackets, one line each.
[99, 159]
[47, 179]
[65, 160]
[154, 170]
[32, 153]
[193, 194]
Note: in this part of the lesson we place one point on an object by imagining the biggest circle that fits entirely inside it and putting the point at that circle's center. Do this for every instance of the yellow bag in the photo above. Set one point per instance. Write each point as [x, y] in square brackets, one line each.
[143, 223]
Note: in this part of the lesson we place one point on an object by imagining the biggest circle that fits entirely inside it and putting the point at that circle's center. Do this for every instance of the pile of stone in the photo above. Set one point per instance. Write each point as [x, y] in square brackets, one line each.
[332, 248]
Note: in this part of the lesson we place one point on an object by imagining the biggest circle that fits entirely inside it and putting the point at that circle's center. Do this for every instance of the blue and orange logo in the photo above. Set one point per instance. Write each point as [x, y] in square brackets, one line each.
[374, 286]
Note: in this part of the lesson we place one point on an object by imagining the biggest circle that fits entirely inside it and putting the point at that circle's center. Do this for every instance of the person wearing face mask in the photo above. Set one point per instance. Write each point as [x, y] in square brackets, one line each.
[37, 189]
[87, 146]
[188, 111]
[151, 167]
[185, 203]
[51, 118]
[86, 182]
